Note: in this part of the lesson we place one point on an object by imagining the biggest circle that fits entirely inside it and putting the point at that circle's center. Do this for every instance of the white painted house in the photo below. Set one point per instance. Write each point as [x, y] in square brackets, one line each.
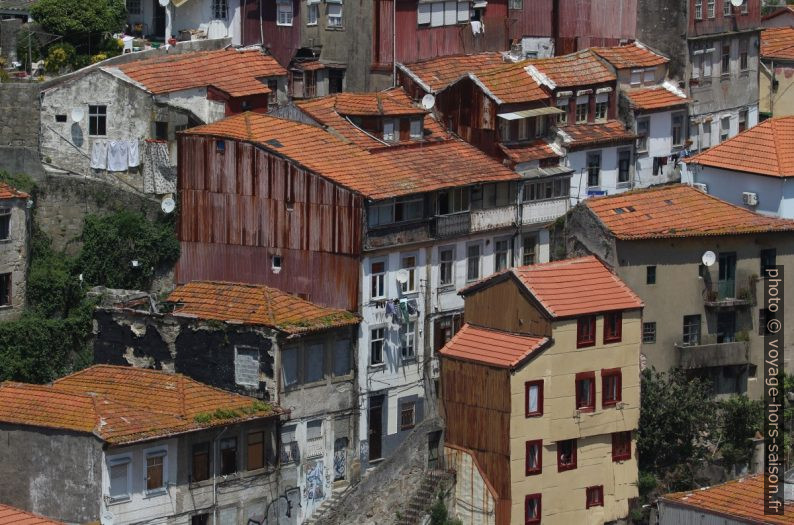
[186, 19]
[754, 169]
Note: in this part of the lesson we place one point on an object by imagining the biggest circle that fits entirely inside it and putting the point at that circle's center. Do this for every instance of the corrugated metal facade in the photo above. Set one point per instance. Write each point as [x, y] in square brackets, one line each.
[282, 41]
[673, 515]
[588, 23]
[241, 205]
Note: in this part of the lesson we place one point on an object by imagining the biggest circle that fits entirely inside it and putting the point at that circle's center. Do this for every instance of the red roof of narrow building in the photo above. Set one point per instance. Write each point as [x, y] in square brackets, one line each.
[492, 347]
[254, 304]
[511, 84]
[592, 134]
[536, 150]
[576, 69]
[677, 211]
[778, 43]
[120, 404]
[741, 499]
[7, 192]
[765, 149]
[14, 516]
[630, 55]
[655, 98]
[435, 74]
[235, 72]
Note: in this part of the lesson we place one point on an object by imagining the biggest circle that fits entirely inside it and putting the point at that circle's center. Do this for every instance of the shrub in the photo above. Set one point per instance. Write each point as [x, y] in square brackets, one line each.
[59, 57]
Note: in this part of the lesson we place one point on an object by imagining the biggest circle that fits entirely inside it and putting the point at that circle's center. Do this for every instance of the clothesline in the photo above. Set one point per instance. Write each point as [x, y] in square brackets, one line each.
[115, 155]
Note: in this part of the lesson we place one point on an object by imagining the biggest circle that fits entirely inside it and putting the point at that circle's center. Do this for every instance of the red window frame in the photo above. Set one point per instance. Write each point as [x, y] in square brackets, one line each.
[585, 331]
[610, 335]
[527, 385]
[594, 496]
[572, 464]
[621, 445]
[539, 468]
[530, 497]
[581, 376]
[606, 374]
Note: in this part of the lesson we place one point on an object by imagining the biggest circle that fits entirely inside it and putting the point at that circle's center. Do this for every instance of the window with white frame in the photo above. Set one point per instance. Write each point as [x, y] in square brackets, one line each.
[417, 131]
[710, 7]
[501, 254]
[446, 265]
[677, 131]
[444, 13]
[562, 104]
[643, 126]
[155, 470]
[726, 8]
[380, 213]
[636, 77]
[698, 9]
[523, 129]
[408, 263]
[726, 59]
[134, 7]
[376, 341]
[473, 262]
[284, 12]
[697, 60]
[516, 4]
[540, 126]
[582, 107]
[334, 15]
[745, 7]
[649, 75]
[377, 280]
[408, 350]
[120, 474]
[220, 9]
[312, 13]
[390, 130]
[601, 107]
[708, 58]
[725, 128]
[528, 244]
[454, 200]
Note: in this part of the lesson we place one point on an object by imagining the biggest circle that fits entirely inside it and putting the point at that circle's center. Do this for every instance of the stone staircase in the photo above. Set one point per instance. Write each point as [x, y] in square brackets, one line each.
[421, 501]
[326, 506]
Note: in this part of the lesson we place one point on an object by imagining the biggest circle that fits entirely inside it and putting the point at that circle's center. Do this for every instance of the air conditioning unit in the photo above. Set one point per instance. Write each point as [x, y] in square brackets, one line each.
[750, 198]
[700, 186]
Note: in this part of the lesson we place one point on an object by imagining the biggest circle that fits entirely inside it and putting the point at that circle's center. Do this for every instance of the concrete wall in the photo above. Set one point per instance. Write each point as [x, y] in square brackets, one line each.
[775, 194]
[50, 472]
[19, 127]
[577, 161]
[663, 25]
[660, 144]
[14, 253]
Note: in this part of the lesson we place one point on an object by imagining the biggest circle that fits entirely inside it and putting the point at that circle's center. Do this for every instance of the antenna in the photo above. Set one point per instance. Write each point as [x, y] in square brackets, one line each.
[709, 258]
[167, 205]
[428, 101]
[77, 114]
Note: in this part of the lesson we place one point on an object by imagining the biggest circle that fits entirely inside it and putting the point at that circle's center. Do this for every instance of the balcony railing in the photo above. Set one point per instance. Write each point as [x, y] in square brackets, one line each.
[493, 218]
[713, 354]
[545, 210]
[452, 225]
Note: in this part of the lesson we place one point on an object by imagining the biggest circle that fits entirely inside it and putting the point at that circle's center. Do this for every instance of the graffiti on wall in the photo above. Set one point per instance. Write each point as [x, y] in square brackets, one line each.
[315, 480]
[340, 458]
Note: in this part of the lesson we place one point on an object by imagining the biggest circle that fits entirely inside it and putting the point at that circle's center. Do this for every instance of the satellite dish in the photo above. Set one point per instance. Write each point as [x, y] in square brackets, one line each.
[77, 114]
[709, 258]
[401, 276]
[428, 101]
[107, 518]
[164, 3]
[737, 3]
[167, 205]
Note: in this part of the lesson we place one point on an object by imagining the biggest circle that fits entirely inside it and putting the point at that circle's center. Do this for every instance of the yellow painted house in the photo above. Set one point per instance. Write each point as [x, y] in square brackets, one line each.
[541, 387]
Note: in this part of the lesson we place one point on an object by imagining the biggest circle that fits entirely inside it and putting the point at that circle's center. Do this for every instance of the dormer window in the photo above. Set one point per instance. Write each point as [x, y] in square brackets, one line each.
[416, 128]
[390, 130]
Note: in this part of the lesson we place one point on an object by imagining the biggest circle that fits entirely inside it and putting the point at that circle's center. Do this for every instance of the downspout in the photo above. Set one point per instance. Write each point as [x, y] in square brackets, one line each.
[771, 72]
[394, 42]
[261, 31]
[215, 475]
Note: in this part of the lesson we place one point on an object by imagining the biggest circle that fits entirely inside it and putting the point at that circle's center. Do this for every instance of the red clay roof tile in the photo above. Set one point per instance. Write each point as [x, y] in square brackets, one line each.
[765, 149]
[256, 305]
[654, 98]
[592, 134]
[511, 84]
[492, 347]
[778, 43]
[14, 516]
[235, 72]
[630, 55]
[438, 73]
[742, 499]
[677, 211]
[124, 404]
[537, 150]
[576, 69]
[7, 192]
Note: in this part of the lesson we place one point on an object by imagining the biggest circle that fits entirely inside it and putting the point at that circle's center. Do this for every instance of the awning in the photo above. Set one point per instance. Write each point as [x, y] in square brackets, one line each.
[530, 113]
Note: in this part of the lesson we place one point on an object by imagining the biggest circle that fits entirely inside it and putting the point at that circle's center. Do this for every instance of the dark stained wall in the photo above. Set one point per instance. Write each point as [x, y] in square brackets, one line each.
[515, 313]
[588, 23]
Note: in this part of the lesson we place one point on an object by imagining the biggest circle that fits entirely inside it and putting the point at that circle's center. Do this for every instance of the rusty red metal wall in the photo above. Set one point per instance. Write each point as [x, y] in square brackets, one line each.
[240, 207]
[535, 19]
[587, 23]
[738, 21]
[282, 41]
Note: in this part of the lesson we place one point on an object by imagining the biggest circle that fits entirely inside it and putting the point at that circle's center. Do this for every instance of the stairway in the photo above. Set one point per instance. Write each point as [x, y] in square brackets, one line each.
[421, 501]
[336, 496]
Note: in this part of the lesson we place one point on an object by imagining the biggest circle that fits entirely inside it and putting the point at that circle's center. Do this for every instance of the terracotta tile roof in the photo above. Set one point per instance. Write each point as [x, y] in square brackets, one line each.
[393, 102]
[14, 516]
[578, 136]
[256, 305]
[778, 43]
[677, 211]
[773, 14]
[630, 55]
[511, 84]
[311, 65]
[537, 150]
[235, 72]
[325, 110]
[492, 347]
[741, 499]
[436, 74]
[655, 98]
[377, 174]
[7, 192]
[121, 404]
[765, 149]
[576, 69]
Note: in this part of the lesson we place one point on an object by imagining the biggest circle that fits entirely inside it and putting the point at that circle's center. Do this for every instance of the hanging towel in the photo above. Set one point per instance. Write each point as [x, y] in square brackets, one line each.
[404, 310]
[99, 155]
[159, 176]
[133, 154]
[117, 155]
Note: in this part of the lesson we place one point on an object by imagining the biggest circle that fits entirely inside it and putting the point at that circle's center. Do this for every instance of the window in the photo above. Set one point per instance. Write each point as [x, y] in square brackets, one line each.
[745, 7]
[763, 316]
[611, 385]
[289, 365]
[613, 327]
[256, 450]
[219, 9]
[643, 124]
[658, 164]
[650, 275]
[407, 415]
[437, 14]
[408, 350]
[532, 508]
[768, 258]
[201, 462]
[472, 262]
[200, 519]
[697, 60]
[97, 120]
[540, 126]
[649, 332]
[314, 438]
[453, 201]
[725, 128]
[621, 445]
[585, 391]
[533, 394]
[710, 7]
[501, 254]
[691, 330]
[389, 133]
[5, 289]
[534, 460]
[228, 448]
[562, 104]
[312, 14]
[416, 129]
[585, 331]
[409, 209]
[742, 120]
[528, 251]
[446, 259]
[636, 77]
[314, 363]
[595, 496]
[119, 478]
[706, 136]
[594, 168]
[726, 59]
[708, 57]
[220, 146]
[523, 128]
[246, 366]
[284, 12]
[504, 130]
[726, 8]
[380, 214]
[5, 224]
[698, 9]
[134, 7]
[409, 265]
[342, 359]
[743, 44]
[602, 104]
[678, 129]
[582, 107]
[516, 4]
[334, 15]
[377, 280]
[376, 346]
[275, 263]
[624, 166]
[290, 453]
[155, 473]
[649, 76]
[566, 455]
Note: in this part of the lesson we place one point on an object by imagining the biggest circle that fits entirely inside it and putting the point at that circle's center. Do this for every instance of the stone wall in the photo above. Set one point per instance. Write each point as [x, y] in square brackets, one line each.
[19, 128]
[14, 256]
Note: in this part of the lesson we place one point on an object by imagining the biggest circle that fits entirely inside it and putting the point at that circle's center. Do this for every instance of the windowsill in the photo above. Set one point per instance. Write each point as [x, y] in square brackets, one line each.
[116, 501]
[311, 24]
[341, 379]
[564, 468]
[3, 241]
[534, 414]
[334, 28]
[155, 493]
[376, 368]
[585, 410]
[410, 293]
[626, 184]
[621, 459]
[609, 404]
[408, 360]
[283, 25]
[585, 345]
[445, 288]
[533, 472]
[724, 78]
[610, 341]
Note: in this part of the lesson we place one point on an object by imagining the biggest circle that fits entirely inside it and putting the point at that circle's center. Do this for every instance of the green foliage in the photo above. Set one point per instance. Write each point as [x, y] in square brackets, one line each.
[112, 242]
[77, 20]
[738, 420]
[24, 51]
[19, 181]
[59, 57]
[439, 514]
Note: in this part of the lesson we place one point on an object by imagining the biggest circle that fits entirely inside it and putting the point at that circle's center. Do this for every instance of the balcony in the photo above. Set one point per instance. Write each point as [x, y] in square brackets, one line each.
[451, 225]
[713, 354]
[545, 210]
[493, 218]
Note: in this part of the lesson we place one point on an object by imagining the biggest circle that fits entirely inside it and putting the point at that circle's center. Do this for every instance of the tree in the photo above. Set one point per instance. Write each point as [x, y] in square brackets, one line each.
[739, 419]
[78, 20]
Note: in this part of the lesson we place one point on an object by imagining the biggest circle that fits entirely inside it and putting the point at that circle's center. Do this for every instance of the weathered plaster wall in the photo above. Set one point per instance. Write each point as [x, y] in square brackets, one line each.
[661, 25]
[19, 128]
[53, 473]
[14, 256]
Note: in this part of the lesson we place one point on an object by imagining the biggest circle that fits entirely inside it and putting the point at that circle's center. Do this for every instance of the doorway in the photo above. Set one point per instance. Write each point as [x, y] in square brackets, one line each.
[375, 434]
[727, 279]
[158, 20]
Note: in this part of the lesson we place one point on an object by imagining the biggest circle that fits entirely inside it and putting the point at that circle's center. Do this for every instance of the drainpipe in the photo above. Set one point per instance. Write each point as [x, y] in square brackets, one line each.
[394, 42]
[215, 475]
[261, 31]
[168, 25]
